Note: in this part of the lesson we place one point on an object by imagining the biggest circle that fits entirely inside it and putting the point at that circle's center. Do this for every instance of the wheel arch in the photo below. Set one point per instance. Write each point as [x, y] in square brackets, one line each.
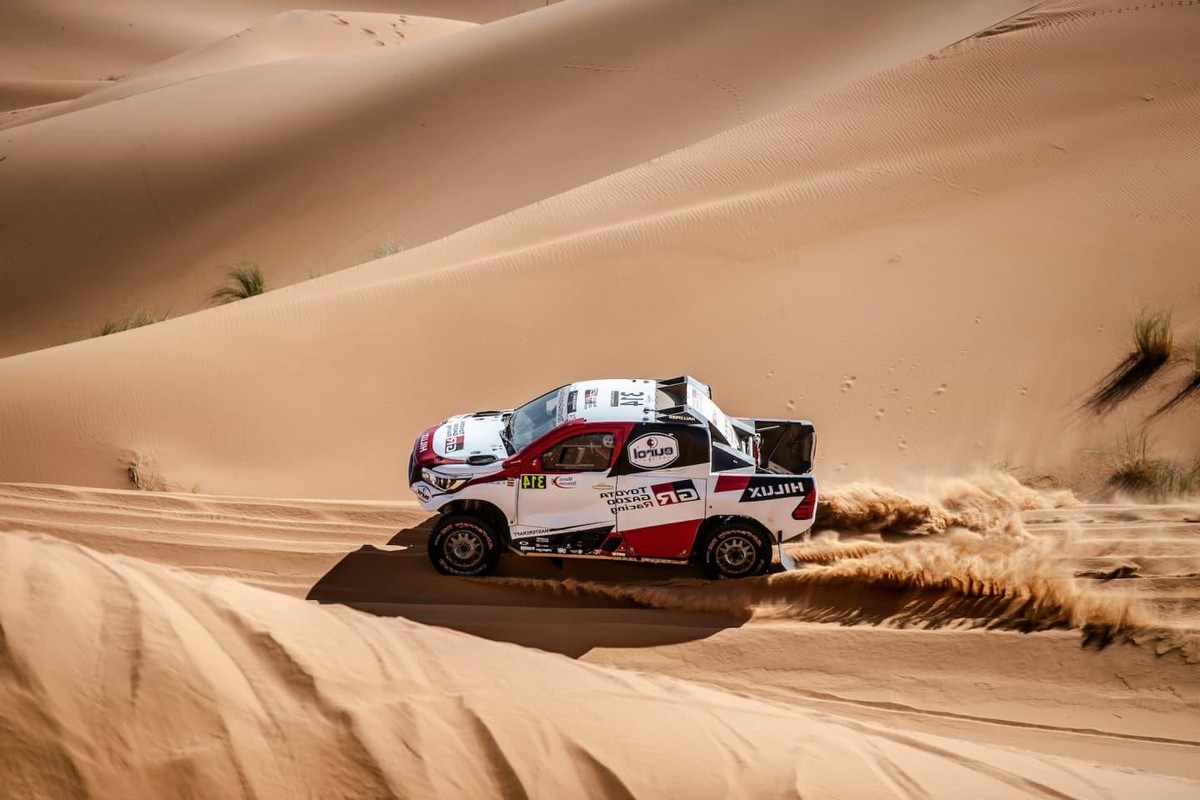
[488, 512]
[720, 520]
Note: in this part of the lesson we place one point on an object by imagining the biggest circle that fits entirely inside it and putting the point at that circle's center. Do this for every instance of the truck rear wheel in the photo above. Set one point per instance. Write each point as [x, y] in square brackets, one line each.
[736, 549]
[463, 544]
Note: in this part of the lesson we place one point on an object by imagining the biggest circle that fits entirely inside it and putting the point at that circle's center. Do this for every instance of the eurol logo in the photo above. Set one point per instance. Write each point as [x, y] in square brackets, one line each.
[653, 451]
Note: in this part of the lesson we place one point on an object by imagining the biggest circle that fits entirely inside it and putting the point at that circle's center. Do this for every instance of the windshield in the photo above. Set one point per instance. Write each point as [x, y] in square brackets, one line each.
[532, 420]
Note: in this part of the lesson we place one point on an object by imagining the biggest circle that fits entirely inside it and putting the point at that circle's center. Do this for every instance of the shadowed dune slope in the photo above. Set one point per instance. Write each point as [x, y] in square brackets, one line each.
[21, 94]
[142, 681]
[934, 292]
[286, 36]
[73, 40]
[310, 165]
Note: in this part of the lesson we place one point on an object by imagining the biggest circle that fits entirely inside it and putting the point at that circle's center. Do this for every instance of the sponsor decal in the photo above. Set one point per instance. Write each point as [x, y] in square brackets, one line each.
[565, 481]
[423, 443]
[668, 494]
[628, 398]
[455, 436]
[533, 481]
[572, 398]
[653, 451]
[766, 489]
[589, 398]
[585, 541]
[423, 493]
[628, 499]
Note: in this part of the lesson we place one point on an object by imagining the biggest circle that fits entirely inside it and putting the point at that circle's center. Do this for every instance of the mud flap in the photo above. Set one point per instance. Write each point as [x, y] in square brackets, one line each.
[785, 560]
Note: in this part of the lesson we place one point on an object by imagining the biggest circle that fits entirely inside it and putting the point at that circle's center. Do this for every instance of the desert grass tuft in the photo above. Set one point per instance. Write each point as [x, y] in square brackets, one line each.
[1190, 387]
[1134, 470]
[388, 248]
[245, 280]
[1153, 339]
[137, 319]
[143, 473]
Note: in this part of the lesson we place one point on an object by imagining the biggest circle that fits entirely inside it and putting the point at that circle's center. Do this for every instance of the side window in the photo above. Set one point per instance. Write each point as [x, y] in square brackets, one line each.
[589, 452]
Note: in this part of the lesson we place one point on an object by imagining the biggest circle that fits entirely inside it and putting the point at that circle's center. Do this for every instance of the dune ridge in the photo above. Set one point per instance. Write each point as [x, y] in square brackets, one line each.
[390, 144]
[209, 688]
[782, 212]
[282, 37]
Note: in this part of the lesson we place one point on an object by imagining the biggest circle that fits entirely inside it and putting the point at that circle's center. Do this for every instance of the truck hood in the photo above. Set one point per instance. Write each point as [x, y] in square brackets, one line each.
[455, 439]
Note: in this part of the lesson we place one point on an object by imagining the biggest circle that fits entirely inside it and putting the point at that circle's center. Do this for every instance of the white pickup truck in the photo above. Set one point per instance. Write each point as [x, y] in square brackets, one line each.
[636, 470]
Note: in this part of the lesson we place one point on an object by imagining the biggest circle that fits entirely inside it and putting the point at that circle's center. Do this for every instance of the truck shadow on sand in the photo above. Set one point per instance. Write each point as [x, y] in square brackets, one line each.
[402, 583]
[574, 605]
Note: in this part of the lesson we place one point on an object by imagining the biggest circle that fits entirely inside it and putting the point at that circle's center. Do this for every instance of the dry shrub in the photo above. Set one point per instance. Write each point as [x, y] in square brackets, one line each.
[143, 472]
[1135, 471]
[1190, 387]
[1153, 340]
[245, 280]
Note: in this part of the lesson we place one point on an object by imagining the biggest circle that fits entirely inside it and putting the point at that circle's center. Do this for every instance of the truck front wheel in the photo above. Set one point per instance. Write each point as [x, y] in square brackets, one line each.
[463, 544]
[735, 550]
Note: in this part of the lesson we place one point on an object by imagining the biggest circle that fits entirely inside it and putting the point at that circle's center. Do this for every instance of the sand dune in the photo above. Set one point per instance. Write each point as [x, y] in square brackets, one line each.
[810, 714]
[952, 214]
[62, 40]
[290, 35]
[392, 145]
[19, 94]
[924, 226]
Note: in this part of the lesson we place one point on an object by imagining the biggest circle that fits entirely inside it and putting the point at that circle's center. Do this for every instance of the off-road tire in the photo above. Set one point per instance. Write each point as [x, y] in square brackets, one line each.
[735, 549]
[463, 544]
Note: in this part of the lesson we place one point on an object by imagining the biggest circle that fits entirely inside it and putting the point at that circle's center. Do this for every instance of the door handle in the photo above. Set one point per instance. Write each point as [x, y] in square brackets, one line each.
[603, 487]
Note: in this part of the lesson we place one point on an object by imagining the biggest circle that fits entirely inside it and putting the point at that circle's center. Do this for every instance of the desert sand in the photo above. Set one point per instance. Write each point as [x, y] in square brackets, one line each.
[925, 226]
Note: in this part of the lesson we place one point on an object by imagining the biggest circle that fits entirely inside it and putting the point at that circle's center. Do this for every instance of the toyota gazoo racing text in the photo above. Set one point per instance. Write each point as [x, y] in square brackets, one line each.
[638, 470]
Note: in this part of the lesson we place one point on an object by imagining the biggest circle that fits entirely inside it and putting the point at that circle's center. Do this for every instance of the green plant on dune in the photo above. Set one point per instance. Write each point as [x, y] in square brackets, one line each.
[142, 472]
[1133, 469]
[1153, 339]
[1190, 387]
[388, 248]
[137, 319]
[245, 280]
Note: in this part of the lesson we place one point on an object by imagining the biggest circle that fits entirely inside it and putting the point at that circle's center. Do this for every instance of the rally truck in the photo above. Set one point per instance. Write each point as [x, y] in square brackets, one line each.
[630, 470]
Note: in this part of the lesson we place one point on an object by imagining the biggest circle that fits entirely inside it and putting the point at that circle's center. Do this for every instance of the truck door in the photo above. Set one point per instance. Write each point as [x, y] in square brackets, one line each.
[560, 496]
[662, 486]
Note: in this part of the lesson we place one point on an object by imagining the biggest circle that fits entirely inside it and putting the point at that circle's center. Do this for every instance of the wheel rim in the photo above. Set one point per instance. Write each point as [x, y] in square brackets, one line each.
[736, 555]
[464, 549]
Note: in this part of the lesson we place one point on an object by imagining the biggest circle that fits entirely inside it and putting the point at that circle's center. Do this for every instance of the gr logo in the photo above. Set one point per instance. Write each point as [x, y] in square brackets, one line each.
[668, 494]
[533, 481]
